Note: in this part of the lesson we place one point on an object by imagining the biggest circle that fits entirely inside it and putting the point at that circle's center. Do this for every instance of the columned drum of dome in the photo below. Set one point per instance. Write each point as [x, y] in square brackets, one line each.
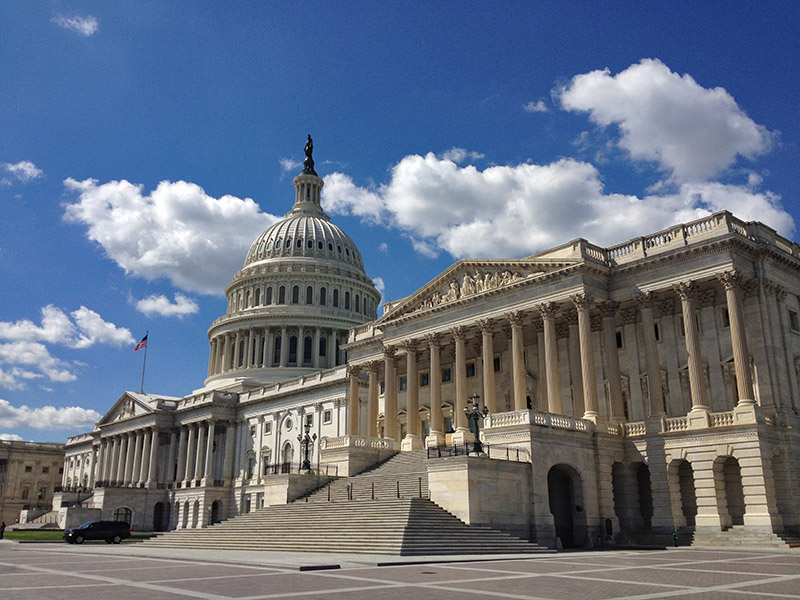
[302, 287]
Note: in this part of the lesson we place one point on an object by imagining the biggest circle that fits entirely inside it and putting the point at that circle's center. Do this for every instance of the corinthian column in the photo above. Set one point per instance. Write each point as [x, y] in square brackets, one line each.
[698, 417]
[412, 441]
[517, 361]
[651, 355]
[459, 401]
[353, 371]
[731, 281]
[390, 394]
[609, 309]
[583, 304]
[548, 311]
[436, 437]
[487, 358]
[372, 399]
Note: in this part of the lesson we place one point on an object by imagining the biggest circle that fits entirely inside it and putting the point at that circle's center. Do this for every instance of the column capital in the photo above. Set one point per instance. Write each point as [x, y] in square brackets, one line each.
[373, 366]
[582, 301]
[410, 346]
[547, 310]
[571, 317]
[645, 299]
[515, 318]
[459, 332]
[609, 308]
[629, 316]
[388, 351]
[353, 370]
[485, 325]
[730, 279]
[685, 289]
[433, 339]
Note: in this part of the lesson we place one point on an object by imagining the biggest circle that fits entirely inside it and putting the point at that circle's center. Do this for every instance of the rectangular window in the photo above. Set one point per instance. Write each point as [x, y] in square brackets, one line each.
[794, 321]
[383, 387]
[726, 318]
[446, 375]
[25, 493]
[267, 427]
[619, 339]
[657, 331]
[327, 416]
[252, 431]
[424, 379]
[471, 369]
[496, 364]
[45, 469]
[28, 469]
[403, 383]
[309, 420]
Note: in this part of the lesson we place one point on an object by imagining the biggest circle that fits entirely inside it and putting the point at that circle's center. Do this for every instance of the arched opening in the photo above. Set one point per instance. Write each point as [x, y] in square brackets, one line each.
[295, 294]
[276, 354]
[216, 512]
[123, 513]
[185, 519]
[732, 500]
[323, 296]
[358, 303]
[195, 522]
[645, 494]
[282, 295]
[293, 350]
[268, 300]
[323, 346]
[161, 516]
[347, 300]
[307, 347]
[258, 296]
[309, 295]
[688, 493]
[335, 298]
[287, 456]
[566, 504]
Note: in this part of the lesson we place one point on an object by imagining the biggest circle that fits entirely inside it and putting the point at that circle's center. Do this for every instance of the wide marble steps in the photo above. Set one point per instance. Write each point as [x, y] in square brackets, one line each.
[405, 526]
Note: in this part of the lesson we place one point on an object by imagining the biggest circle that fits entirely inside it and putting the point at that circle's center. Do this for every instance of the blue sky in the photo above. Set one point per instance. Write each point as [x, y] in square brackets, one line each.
[144, 145]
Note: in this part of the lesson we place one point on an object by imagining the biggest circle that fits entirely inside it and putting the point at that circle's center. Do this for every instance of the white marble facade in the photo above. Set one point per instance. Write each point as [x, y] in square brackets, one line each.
[562, 347]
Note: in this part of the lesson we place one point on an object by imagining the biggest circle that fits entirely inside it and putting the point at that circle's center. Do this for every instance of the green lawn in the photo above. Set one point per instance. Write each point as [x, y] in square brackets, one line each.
[34, 535]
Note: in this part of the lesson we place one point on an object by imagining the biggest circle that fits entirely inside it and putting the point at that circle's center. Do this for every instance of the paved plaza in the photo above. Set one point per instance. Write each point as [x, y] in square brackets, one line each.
[61, 572]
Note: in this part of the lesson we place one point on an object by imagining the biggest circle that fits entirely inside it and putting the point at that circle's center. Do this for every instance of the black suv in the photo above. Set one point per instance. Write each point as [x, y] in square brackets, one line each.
[110, 531]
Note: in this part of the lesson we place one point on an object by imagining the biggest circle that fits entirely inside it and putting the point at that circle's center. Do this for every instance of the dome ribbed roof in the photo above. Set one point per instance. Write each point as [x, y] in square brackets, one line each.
[304, 236]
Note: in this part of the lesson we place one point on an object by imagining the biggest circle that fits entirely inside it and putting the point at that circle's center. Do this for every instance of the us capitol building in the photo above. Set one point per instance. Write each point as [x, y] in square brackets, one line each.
[620, 393]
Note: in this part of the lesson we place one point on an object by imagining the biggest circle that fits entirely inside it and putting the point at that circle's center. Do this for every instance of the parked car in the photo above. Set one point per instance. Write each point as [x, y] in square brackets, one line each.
[110, 531]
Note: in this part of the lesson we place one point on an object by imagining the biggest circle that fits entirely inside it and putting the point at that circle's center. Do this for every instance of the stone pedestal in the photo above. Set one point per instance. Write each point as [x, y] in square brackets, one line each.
[411, 442]
[698, 418]
[352, 454]
[434, 439]
[282, 489]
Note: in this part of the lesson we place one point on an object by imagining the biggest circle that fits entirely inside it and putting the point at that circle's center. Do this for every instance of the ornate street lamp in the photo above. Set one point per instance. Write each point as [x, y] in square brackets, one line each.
[39, 498]
[306, 441]
[475, 416]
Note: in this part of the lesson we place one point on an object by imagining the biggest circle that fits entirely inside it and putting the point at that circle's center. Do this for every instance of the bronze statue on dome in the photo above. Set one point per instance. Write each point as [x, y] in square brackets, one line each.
[308, 163]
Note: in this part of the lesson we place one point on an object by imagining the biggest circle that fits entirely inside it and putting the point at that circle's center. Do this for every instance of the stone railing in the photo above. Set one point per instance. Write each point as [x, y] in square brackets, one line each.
[670, 424]
[536, 417]
[356, 441]
[723, 419]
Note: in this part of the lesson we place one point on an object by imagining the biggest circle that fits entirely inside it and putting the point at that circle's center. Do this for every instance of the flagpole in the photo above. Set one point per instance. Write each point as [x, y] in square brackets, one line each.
[144, 363]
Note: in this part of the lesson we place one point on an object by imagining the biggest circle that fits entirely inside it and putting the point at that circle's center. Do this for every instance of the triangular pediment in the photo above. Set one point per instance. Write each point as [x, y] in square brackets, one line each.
[471, 278]
[129, 406]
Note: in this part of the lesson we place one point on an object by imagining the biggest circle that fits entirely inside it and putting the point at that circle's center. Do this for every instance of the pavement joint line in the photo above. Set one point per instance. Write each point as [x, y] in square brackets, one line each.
[773, 594]
[269, 571]
[217, 577]
[50, 587]
[310, 592]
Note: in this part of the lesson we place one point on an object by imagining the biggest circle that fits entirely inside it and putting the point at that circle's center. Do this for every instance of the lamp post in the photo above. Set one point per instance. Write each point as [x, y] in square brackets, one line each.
[38, 498]
[306, 441]
[475, 416]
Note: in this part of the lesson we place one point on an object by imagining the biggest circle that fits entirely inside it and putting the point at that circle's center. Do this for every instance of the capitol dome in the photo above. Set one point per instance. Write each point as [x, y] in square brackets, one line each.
[302, 287]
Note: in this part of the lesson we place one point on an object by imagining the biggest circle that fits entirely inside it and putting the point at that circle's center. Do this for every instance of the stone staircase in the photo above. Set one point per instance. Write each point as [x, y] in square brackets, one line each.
[367, 518]
[408, 526]
[403, 475]
[738, 536]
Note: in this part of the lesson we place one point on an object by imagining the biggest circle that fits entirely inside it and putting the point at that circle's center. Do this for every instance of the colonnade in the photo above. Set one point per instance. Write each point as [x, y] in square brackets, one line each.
[544, 317]
[267, 347]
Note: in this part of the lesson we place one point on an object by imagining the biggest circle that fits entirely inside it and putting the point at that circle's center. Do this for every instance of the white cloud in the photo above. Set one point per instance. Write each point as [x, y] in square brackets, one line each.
[383, 247]
[56, 328]
[288, 164]
[10, 437]
[459, 155]
[507, 211]
[177, 231]
[24, 171]
[690, 131]
[536, 107]
[84, 26]
[46, 417]
[31, 354]
[161, 305]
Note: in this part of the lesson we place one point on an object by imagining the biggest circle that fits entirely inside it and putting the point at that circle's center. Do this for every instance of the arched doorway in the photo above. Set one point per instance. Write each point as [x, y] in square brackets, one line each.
[688, 493]
[195, 522]
[565, 498]
[161, 516]
[123, 513]
[733, 501]
[216, 509]
[645, 494]
[287, 458]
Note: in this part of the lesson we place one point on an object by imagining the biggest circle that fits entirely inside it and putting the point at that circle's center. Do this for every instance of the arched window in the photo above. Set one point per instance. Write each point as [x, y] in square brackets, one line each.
[296, 294]
[335, 298]
[299, 242]
[308, 344]
[330, 247]
[242, 352]
[276, 354]
[309, 295]
[323, 296]
[339, 249]
[319, 245]
[358, 304]
[287, 456]
[258, 297]
[288, 242]
[282, 295]
[123, 513]
[347, 300]
[247, 299]
[310, 244]
[323, 346]
[293, 349]
[269, 296]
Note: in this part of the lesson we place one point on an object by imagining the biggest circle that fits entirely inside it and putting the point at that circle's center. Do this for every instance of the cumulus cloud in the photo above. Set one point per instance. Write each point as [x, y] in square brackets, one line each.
[23, 171]
[46, 417]
[383, 247]
[459, 155]
[10, 437]
[689, 131]
[288, 164]
[23, 344]
[506, 211]
[161, 305]
[177, 231]
[84, 26]
[536, 107]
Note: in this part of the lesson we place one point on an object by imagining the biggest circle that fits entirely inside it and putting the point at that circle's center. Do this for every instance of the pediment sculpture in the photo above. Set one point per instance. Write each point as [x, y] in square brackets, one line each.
[469, 286]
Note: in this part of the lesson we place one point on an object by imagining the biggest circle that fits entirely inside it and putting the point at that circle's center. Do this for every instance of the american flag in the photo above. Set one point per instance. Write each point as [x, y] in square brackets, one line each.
[142, 344]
